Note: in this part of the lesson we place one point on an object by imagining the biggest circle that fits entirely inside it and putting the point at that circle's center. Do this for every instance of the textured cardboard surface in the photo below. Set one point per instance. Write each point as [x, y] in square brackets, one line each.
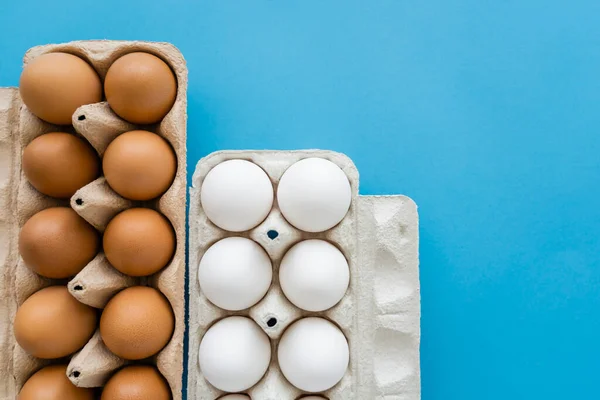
[9, 161]
[380, 313]
[96, 203]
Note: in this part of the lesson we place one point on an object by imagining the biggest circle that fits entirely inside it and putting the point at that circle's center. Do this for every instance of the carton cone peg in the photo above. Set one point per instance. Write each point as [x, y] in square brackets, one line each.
[99, 125]
[97, 203]
[98, 282]
[94, 364]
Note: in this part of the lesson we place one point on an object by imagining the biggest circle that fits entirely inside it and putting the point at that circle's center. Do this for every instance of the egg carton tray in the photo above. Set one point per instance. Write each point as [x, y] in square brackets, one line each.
[379, 315]
[97, 203]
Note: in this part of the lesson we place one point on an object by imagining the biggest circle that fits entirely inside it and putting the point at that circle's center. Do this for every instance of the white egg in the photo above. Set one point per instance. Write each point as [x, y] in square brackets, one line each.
[314, 194]
[235, 273]
[313, 354]
[314, 275]
[236, 195]
[235, 397]
[234, 354]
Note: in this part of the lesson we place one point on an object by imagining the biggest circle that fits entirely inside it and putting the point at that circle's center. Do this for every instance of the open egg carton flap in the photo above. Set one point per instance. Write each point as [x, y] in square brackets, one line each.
[96, 203]
[380, 313]
[9, 110]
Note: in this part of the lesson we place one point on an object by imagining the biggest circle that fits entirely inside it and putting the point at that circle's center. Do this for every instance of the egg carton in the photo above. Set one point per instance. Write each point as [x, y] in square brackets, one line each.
[97, 203]
[379, 315]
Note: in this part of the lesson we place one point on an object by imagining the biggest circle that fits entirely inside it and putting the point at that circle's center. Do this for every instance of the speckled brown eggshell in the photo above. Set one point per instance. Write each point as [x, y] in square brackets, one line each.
[137, 323]
[58, 164]
[57, 243]
[51, 383]
[54, 85]
[137, 382]
[139, 165]
[139, 242]
[140, 88]
[52, 324]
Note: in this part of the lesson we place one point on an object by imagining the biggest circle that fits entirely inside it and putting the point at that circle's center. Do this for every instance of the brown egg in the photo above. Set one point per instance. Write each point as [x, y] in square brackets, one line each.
[51, 383]
[137, 323]
[54, 85]
[58, 164]
[139, 165]
[57, 243]
[52, 324]
[137, 382]
[140, 88]
[139, 241]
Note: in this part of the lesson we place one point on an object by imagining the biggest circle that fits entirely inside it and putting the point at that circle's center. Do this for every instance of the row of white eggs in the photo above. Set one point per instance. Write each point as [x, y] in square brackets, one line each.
[235, 273]
[235, 353]
[313, 195]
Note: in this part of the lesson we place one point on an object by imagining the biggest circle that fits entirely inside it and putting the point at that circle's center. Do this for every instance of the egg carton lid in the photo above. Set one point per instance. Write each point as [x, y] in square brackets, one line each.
[381, 317]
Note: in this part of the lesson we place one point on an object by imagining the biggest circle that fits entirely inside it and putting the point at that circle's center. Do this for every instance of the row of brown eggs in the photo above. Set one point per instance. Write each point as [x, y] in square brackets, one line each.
[139, 87]
[138, 165]
[132, 382]
[57, 243]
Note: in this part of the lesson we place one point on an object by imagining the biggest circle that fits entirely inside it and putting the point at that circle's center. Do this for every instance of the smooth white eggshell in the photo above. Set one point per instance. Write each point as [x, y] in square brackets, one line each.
[236, 397]
[313, 354]
[314, 194]
[314, 275]
[236, 195]
[235, 273]
[234, 354]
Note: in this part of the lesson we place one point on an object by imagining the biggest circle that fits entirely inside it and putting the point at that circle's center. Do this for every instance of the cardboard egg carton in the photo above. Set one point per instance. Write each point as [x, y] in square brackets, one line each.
[97, 203]
[379, 315]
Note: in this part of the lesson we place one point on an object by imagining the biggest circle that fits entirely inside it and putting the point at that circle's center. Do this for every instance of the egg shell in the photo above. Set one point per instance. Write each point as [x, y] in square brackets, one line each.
[234, 397]
[137, 382]
[314, 275]
[139, 241]
[313, 354]
[234, 354]
[236, 195]
[137, 323]
[51, 383]
[52, 324]
[140, 88]
[235, 273]
[57, 243]
[139, 165]
[314, 194]
[58, 164]
[54, 85]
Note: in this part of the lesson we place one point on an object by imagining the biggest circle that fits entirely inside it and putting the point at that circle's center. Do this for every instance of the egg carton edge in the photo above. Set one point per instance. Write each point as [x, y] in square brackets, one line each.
[10, 104]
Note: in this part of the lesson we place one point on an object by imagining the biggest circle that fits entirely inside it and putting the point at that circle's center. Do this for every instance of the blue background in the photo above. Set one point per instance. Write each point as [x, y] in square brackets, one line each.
[487, 113]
